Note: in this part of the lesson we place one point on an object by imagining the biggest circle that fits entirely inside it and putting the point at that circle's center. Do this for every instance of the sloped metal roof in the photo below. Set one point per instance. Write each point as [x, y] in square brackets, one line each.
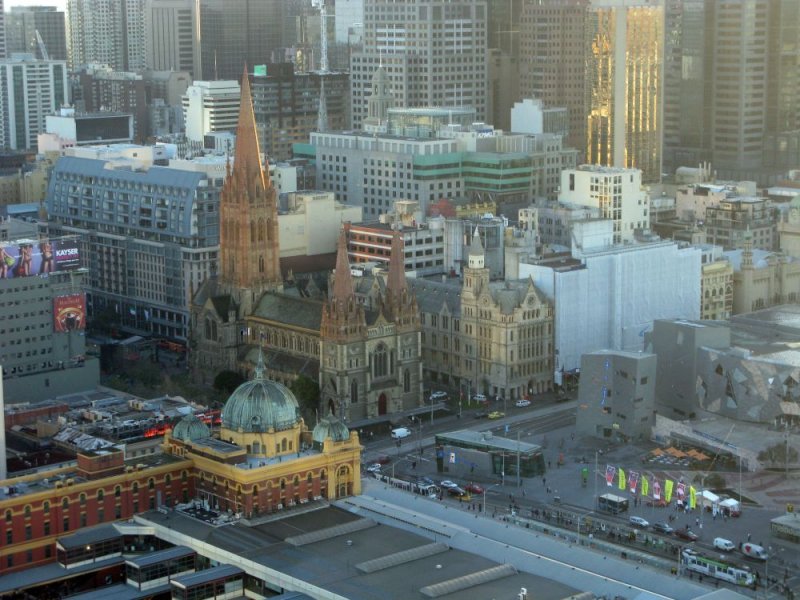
[399, 558]
[330, 532]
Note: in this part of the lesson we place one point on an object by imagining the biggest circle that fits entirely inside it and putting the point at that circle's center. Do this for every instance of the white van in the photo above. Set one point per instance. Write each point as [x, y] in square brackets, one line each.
[754, 551]
[724, 545]
[400, 433]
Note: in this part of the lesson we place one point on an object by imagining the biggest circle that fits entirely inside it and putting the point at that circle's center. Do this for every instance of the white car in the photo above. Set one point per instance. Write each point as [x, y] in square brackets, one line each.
[639, 522]
[724, 545]
[374, 468]
[447, 484]
[479, 398]
[438, 396]
[522, 403]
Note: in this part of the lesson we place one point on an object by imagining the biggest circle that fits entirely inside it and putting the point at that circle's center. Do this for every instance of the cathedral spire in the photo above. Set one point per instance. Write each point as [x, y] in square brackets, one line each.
[397, 273]
[248, 151]
[343, 279]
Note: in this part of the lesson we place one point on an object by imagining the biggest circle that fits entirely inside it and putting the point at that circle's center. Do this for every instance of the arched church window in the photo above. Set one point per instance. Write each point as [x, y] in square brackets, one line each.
[406, 381]
[380, 361]
[353, 391]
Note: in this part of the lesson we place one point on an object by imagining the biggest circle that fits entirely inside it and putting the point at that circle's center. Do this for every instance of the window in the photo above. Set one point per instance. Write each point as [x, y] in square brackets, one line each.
[117, 491]
[151, 483]
[100, 495]
[406, 381]
[46, 507]
[380, 366]
[353, 391]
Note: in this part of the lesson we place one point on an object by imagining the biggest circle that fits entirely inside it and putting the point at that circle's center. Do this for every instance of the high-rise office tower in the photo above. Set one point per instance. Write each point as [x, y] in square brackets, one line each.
[502, 64]
[602, 60]
[434, 53]
[235, 32]
[30, 90]
[107, 32]
[2, 31]
[733, 93]
[22, 23]
[170, 43]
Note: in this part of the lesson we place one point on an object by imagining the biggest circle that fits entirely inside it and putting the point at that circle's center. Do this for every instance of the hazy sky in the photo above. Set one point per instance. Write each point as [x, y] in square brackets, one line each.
[62, 4]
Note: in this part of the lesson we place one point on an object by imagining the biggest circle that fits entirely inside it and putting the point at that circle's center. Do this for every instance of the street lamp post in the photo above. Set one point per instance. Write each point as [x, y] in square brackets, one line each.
[484, 495]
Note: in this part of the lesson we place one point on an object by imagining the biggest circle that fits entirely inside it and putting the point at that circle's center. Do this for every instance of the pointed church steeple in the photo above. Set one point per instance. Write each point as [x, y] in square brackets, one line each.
[343, 279]
[249, 248]
[396, 282]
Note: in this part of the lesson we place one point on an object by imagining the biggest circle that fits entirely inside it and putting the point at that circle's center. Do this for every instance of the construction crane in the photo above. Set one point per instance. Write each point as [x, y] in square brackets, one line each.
[42, 48]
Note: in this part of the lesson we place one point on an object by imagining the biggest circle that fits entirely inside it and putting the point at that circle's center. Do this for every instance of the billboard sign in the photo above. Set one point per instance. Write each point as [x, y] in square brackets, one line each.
[24, 258]
[69, 313]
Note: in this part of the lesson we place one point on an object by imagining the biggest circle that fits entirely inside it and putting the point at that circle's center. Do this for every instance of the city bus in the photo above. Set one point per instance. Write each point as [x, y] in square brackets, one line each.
[612, 503]
[717, 568]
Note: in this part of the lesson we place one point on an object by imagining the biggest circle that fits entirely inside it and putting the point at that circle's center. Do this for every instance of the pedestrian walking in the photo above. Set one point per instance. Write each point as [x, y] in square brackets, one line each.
[748, 537]
[523, 492]
[697, 521]
[544, 480]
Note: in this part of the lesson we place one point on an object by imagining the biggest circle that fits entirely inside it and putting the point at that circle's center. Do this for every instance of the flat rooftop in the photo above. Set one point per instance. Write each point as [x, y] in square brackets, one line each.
[358, 558]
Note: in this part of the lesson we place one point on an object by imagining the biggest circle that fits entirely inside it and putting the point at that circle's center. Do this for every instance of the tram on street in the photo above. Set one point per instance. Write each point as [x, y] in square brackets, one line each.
[718, 569]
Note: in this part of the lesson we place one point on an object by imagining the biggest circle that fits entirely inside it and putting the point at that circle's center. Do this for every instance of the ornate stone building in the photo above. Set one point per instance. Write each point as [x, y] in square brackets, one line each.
[481, 336]
[370, 353]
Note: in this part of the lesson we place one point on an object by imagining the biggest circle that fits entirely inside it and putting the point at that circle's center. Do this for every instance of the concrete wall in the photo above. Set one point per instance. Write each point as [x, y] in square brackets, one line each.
[51, 384]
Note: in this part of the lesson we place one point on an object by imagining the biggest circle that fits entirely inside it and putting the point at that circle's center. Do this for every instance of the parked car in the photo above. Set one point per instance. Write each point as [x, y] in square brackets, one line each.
[481, 414]
[479, 398]
[522, 403]
[724, 545]
[663, 528]
[496, 414]
[374, 468]
[456, 491]
[425, 481]
[687, 534]
[473, 488]
[639, 522]
[447, 484]
[438, 396]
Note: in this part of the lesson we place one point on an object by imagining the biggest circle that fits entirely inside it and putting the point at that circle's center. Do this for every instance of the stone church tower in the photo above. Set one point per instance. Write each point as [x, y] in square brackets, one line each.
[370, 360]
[249, 254]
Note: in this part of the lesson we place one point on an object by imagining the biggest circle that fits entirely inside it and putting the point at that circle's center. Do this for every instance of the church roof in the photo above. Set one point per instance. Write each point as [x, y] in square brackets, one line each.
[431, 295]
[277, 360]
[290, 310]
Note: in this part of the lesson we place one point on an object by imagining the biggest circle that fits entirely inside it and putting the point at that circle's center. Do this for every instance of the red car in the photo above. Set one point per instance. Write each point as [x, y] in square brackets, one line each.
[686, 534]
[473, 488]
[383, 459]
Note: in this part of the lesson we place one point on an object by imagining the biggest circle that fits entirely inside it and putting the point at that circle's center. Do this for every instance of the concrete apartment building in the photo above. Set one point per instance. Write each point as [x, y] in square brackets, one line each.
[210, 106]
[30, 89]
[307, 223]
[42, 346]
[150, 234]
[433, 51]
[616, 192]
[22, 23]
[170, 44]
[107, 32]
[789, 229]
[286, 106]
[731, 222]
[732, 71]
[616, 395]
[607, 296]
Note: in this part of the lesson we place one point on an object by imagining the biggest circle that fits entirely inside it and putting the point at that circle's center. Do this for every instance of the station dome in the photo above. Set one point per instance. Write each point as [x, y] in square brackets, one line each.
[190, 428]
[260, 405]
[332, 427]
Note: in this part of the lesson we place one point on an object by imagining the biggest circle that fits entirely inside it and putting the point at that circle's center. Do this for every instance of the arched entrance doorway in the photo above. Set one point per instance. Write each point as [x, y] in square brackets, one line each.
[331, 406]
[382, 404]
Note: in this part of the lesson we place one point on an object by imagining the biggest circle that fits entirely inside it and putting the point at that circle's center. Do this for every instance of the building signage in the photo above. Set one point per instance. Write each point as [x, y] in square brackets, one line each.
[24, 258]
[69, 313]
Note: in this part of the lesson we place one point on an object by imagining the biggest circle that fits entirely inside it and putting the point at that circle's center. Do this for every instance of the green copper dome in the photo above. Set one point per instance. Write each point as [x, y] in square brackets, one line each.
[260, 405]
[190, 428]
[330, 427]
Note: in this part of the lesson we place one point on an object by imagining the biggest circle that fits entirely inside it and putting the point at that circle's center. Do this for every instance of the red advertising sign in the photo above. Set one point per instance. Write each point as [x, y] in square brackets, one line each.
[69, 313]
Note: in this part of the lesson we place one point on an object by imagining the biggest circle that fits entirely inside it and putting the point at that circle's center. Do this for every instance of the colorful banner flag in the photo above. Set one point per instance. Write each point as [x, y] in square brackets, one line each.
[681, 491]
[668, 490]
[692, 497]
[621, 482]
[610, 472]
[656, 489]
[633, 481]
[645, 486]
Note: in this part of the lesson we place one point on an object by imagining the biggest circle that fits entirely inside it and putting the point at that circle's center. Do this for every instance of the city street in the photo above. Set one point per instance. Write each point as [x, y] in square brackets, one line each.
[562, 488]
